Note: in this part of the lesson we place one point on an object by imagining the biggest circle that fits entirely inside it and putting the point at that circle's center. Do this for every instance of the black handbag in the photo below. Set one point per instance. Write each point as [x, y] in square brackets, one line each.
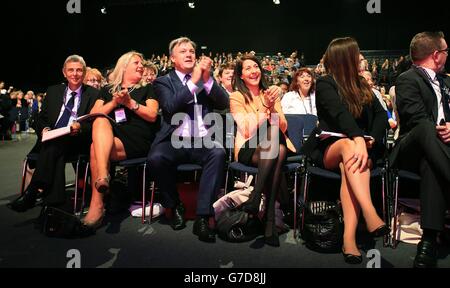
[60, 224]
[323, 226]
[235, 225]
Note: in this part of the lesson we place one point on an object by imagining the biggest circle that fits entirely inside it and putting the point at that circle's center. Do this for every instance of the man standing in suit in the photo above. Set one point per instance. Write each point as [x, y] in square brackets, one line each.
[424, 141]
[187, 91]
[62, 105]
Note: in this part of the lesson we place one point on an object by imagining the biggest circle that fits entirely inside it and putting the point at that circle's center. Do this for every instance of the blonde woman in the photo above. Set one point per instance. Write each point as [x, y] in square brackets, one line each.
[134, 109]
[93, 78]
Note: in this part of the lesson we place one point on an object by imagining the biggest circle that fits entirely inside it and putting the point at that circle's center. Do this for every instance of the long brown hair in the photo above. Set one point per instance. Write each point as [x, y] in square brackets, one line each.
[239, 85]
[341, 61]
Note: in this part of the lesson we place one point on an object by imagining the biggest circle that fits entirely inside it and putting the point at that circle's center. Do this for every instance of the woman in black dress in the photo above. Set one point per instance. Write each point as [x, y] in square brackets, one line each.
[134, 109]
[345, 104]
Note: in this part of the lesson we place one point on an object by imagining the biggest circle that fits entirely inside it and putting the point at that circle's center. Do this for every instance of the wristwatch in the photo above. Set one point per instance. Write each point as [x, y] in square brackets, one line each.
[136, 107]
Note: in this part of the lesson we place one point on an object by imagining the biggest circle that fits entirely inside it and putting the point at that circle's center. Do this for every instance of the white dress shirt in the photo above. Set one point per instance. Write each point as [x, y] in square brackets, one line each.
[292, 103]
[184, 130]
[76, 104]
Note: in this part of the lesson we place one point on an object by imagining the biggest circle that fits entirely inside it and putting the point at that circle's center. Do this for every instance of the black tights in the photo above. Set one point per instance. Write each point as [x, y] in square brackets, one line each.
[269, 157]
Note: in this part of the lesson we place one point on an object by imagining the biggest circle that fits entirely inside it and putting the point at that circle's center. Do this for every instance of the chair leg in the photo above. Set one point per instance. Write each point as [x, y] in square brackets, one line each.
[226, 180]
[143, 194]
[295, 204]
[86, 171]
[383, 197]
[395, 212]
[305, 196]
[75, 193]
[152, 197]
[24, 172]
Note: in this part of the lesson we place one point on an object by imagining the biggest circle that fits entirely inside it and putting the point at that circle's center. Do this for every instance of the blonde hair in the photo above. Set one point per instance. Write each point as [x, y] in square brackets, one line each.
[119, 70]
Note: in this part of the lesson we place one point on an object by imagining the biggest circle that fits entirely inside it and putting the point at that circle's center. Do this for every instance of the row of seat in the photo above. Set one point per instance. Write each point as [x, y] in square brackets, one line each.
[299, 128]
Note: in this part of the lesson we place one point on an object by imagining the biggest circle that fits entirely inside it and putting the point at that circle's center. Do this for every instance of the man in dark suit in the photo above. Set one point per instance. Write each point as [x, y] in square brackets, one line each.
[63, 103]
[187, 91]
[423, 145]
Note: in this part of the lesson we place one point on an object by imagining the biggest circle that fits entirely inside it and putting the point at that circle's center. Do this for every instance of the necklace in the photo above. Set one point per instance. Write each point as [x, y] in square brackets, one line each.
[129, 89]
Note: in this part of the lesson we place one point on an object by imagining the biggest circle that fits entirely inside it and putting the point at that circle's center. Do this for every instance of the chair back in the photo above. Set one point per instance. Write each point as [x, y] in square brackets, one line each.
[299, 127]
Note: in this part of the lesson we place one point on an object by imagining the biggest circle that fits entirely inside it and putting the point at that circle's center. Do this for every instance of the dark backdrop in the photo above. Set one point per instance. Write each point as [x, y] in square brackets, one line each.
[38, 35]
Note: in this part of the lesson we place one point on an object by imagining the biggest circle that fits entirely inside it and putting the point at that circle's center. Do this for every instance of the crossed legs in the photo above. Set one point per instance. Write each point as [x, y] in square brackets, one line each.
[104, 147]
[354, 193]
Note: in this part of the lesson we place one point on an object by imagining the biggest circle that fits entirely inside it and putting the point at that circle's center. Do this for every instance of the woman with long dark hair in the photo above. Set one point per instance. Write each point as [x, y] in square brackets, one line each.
[260, 139]
[345, 104]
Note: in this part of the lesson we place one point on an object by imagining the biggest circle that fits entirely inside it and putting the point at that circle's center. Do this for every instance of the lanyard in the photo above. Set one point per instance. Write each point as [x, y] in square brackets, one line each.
[304, 106]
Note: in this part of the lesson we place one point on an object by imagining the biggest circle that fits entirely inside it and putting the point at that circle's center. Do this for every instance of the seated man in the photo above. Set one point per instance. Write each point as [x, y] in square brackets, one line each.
[184, 91]
[423, 145]
[63, 104]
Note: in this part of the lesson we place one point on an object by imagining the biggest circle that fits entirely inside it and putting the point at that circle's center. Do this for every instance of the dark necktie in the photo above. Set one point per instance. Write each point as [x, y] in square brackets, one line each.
[186, 78]
[444, 98]
[190, 107]
[64, 120]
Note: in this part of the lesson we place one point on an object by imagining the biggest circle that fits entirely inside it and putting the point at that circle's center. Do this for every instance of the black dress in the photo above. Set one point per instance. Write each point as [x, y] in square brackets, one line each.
[135, 133]
[334, 117]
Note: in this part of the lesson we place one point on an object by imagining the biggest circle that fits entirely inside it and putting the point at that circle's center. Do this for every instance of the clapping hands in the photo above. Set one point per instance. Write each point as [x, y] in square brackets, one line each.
[271, 95]
[122, 97]
[202, 70]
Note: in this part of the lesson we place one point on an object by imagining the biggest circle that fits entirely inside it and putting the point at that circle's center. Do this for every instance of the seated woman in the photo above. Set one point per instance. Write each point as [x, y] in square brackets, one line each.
[260, 139]
[93, 78]
[134, 109]
[345, 104]
[301, 99]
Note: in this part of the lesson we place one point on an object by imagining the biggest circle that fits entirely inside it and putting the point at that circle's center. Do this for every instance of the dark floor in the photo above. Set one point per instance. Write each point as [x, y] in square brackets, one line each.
[125, 242]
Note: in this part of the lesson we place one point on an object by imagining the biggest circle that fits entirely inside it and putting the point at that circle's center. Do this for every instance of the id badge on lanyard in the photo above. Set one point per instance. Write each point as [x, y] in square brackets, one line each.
[120, 115]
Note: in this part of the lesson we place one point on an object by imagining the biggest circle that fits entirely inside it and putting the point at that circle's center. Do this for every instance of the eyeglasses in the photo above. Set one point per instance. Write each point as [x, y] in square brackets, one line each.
[94, 80]
[444, 50]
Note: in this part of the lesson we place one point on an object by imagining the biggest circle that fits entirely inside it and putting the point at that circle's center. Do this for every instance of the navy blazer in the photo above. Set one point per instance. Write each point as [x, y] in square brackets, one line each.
[174, 97]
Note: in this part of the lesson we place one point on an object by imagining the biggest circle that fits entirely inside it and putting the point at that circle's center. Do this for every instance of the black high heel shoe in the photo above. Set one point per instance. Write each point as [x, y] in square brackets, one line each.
[271, 235]
[380, 231]
[351, 259]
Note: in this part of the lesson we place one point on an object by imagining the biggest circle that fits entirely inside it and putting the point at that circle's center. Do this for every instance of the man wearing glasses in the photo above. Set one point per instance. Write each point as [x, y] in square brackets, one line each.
[424, 143]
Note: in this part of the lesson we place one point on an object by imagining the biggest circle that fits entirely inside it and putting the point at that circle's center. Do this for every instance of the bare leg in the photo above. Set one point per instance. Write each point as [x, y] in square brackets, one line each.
[351, 209]
[102, 140]
[103, 149]
[358, 183]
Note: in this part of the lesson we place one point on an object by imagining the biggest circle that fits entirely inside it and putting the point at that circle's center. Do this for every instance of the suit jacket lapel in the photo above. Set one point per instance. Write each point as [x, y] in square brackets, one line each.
[433, 96]
[175, 80]
[83, 101]
[58, 103]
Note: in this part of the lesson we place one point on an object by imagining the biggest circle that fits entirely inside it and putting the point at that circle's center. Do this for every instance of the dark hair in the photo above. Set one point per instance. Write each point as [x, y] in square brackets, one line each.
[341, 61]
[425, 43]
[228, 65]
[239, 85]
[295, 85]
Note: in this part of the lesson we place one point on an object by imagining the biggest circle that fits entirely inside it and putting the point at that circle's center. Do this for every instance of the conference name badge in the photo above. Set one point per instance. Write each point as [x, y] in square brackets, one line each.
[120, 115]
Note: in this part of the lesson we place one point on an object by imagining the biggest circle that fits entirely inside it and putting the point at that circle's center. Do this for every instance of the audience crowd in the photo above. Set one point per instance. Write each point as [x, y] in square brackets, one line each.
[349, 92]
[18, 110]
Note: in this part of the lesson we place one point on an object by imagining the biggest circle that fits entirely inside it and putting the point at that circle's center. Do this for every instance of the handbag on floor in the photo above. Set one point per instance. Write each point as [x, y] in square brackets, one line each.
[58, 223]
[323, 226]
